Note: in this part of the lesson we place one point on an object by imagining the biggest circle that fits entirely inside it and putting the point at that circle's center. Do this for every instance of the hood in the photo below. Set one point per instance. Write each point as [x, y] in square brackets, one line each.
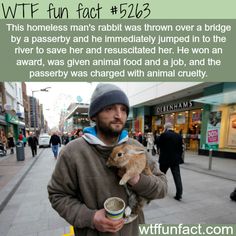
[90, 135]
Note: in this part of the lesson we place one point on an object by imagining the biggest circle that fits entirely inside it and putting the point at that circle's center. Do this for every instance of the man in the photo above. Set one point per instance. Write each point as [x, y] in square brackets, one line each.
[33, 142]
[55, 141]
[11, 143]
[21, 136]
[81, 181]
[170, 145]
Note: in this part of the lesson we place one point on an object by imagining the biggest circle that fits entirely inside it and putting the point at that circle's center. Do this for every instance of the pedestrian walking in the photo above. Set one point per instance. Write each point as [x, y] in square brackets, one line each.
[33, 142]
[20, 137]
[24, 141]
[170, 145]
[150, 141]
[140, 137]
[11, 143]
[81, 181]
[55, 141]
[66, 140]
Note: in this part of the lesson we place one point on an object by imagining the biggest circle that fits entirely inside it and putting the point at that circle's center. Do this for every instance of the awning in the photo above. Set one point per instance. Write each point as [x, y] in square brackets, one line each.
[80, 108]
[218, 99]
[14, 120]
[21, 124]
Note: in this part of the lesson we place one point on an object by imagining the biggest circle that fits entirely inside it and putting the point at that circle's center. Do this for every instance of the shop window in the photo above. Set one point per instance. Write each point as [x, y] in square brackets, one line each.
[170, 118]
[158, 123]
[232, 131]
[195, 122]
[181, 123]
[194, 129]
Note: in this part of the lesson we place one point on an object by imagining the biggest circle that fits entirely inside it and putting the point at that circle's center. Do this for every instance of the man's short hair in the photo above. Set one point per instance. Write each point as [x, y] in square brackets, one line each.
[168, 126]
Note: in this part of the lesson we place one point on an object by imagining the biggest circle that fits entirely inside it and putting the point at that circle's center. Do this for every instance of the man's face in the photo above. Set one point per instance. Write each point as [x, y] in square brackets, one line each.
[111, 120]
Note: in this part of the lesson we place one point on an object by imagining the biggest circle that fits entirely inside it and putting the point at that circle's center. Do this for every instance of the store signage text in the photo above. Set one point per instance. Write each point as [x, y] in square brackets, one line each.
[213, 136]
[174, 107]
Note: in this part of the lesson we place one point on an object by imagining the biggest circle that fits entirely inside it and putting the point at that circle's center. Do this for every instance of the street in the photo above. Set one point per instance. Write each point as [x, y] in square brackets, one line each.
[205, 200]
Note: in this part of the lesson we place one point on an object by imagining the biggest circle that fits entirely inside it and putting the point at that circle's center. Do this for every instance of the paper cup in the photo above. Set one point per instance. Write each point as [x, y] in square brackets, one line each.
[114, 207]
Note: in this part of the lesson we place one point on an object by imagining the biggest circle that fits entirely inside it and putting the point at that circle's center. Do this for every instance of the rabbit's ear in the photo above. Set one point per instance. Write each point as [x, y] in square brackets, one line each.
[136, 151]
[120, 147]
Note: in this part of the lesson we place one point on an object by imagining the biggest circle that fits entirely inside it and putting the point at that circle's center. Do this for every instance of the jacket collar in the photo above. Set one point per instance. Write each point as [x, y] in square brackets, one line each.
[90, 135]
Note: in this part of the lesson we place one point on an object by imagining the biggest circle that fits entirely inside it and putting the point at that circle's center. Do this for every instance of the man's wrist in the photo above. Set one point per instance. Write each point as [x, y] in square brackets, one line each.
[134, 180]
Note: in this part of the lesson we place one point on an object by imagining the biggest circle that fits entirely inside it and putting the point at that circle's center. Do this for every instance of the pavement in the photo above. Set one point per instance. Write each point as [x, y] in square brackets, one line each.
[220, 167]
[12, 173]
[26, 211]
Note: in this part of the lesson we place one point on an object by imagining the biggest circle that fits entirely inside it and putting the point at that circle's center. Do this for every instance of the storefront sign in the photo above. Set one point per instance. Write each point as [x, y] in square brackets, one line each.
[213, 129]
[174, 107]
[12, 119]
[213, 136]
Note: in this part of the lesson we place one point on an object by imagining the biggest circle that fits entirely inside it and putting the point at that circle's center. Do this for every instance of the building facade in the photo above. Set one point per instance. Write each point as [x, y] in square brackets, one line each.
[204, 113]
[14, 108]
[26, 108]
[77, 117]
[219, 120]
[18, 111]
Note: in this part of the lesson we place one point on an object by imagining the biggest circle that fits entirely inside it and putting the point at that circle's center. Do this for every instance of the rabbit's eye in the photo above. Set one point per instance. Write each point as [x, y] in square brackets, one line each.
[119, 154]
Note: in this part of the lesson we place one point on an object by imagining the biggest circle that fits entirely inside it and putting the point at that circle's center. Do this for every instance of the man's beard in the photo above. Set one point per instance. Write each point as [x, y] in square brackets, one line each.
[108, 130]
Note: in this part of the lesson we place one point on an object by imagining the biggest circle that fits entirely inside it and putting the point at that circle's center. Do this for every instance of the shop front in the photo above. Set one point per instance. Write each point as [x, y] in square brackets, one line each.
[14, 125]
[129, 123]
[3, 129]
[219, 121]
[219, 133]
[77, 119]
[186, 117]
[142, 120]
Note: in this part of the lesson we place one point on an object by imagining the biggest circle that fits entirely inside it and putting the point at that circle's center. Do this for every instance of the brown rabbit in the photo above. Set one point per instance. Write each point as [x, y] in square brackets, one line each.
[131, 159]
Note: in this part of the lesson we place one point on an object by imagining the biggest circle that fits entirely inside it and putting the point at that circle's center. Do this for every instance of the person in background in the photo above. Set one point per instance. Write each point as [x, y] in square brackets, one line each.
[156, 136]
[140, 137]
[4, 140]
[81, 181]
[20, 137]
[150, 141]
[55, 141]
[170, 145]
[66, 139]
[11, 143]
[24, 141]
[72, 137]
[33, 142]
[181, 132]
[80, 133]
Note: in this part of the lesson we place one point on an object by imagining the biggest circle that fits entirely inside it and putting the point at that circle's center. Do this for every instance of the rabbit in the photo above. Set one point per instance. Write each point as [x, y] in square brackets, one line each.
[131, 159]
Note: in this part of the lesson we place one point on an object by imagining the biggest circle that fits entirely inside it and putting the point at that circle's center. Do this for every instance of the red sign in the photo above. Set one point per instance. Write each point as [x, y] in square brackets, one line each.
[213, 136]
